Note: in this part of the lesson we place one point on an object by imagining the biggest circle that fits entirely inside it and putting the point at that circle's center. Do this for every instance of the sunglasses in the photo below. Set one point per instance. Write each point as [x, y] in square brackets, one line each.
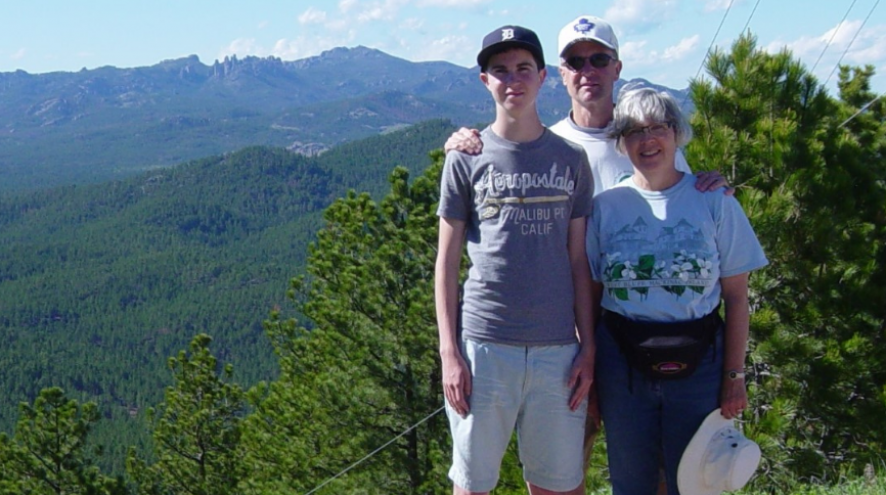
[597, 60]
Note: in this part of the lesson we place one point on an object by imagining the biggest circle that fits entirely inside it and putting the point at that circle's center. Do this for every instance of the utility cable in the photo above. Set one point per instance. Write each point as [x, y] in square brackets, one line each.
[745, 28]
[851, 42]
[833, 35]
[714, 39]
[376, 451]
[860, 110]
[708, 51]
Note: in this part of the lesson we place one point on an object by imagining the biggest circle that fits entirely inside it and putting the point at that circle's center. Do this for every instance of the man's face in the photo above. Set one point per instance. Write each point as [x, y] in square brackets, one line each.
[590, 84]
[513, 79]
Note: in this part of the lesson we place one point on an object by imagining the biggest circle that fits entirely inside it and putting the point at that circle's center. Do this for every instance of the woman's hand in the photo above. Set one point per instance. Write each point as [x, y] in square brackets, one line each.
[733, 396]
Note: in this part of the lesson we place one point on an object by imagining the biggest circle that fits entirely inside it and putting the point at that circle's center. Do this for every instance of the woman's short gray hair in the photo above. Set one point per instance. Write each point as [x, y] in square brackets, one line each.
[636, 106]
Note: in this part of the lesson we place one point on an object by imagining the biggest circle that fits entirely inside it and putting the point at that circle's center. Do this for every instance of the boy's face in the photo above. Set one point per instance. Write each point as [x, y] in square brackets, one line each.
[513, 79]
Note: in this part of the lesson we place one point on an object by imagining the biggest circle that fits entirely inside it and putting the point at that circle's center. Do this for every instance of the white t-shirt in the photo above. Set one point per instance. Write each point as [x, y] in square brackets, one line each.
[608, 166]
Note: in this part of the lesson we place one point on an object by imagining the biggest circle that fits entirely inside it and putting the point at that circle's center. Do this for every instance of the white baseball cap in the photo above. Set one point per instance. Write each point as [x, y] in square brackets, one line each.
[718, 458]
[587, 28]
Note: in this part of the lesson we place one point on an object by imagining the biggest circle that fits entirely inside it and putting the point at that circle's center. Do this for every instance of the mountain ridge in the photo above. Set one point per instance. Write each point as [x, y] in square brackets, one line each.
[108, 123]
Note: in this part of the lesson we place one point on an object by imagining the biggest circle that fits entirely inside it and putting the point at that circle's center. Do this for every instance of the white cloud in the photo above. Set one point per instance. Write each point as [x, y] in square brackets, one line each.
[345, 6]
[807, 46]
[312, 16]
[636, 55]
[309, 46]
[451, 3]
[18, 55]
[633, 53]
[412, 24]
[381, 11]
[338, 25]
[640, 14]
[869, 45]
[717, 5]
[453, 48]
[833, 47]
[242, 47]
[681, 49]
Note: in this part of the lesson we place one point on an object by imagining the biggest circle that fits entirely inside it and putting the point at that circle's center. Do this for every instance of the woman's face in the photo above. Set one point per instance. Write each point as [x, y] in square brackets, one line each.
[651, 145]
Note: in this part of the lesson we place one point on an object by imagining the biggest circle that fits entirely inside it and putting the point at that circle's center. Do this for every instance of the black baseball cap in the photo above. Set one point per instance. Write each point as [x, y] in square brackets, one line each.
[507, 37]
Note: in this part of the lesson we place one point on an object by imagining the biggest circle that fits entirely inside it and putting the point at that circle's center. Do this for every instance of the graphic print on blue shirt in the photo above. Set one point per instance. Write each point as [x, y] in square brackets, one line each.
[674, 258]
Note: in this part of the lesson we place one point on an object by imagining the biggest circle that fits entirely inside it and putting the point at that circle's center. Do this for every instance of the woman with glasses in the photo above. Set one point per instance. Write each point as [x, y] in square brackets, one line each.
[663, 256]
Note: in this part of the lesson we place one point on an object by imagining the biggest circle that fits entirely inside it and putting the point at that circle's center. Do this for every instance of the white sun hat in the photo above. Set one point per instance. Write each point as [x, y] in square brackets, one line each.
[718, 458]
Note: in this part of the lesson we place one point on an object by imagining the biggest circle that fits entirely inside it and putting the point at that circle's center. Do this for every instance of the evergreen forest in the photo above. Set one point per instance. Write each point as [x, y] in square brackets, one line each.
[100, 284]
[263, 323]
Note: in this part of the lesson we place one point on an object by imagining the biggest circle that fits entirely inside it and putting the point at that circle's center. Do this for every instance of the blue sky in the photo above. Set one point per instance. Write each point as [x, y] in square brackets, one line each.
[664, 41]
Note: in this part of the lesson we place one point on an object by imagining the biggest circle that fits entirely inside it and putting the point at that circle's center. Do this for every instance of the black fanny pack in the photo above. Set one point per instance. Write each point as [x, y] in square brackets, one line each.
[664, 351]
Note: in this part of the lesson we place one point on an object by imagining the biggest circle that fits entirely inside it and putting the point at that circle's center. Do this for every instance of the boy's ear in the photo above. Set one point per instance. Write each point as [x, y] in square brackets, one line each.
[543, 73]
[484, 78]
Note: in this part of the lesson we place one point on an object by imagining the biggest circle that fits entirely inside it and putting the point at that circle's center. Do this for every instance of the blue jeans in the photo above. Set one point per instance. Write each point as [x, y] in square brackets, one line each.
[650, 421]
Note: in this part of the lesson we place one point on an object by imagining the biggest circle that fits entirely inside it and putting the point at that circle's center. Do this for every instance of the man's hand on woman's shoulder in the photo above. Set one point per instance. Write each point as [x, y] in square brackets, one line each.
[711, 181]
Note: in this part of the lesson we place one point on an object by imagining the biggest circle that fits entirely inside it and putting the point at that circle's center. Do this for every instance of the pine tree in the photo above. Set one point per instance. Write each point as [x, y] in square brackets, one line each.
[49, 453]
[362, 367]
[196, 431]
[814, 191]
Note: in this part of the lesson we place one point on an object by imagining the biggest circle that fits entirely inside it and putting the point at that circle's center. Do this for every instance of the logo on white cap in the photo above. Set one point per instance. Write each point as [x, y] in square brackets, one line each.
[583, 26]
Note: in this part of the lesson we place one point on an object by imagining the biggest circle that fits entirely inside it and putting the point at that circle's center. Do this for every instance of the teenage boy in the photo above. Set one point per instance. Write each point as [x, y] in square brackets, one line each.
[517, 351]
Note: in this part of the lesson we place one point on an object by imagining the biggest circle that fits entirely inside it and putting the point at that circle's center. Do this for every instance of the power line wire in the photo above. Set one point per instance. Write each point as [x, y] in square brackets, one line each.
[376, 451]
[851, 42]
[833, 35]
[705, 58]
[745, 28]
[860, 110]
[708, 51]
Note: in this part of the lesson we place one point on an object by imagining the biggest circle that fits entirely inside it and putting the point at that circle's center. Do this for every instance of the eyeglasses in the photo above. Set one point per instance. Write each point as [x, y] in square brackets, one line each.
[659, 129]
[597, 60]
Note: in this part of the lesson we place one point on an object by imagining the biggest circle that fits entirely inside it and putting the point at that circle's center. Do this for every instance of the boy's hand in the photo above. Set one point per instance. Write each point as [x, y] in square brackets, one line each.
[464, 140]
[582, 376]
[711, 181]
[457, 384]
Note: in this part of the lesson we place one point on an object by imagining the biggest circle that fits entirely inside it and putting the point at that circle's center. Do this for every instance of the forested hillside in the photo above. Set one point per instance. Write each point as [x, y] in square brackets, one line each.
[100, 284]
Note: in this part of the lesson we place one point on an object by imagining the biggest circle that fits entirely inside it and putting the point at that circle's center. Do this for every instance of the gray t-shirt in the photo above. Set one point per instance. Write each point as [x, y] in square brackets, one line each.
[517, 200]
[661, 254]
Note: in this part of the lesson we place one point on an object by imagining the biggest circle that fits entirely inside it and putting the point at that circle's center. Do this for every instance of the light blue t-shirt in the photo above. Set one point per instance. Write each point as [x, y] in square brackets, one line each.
[660, 254]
